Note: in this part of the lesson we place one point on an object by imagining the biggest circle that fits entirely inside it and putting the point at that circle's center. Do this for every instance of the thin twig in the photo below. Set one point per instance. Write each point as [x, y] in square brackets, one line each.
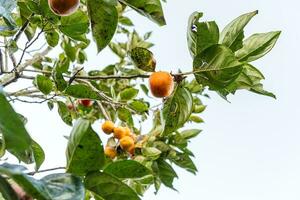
[27, 45]
[106, 115]
[33, 102]
[73, 77]
[45, 170]
[22, 29]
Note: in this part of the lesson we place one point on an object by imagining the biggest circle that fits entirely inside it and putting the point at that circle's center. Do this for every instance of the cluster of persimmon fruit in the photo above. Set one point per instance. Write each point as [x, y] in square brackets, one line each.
[123, 134]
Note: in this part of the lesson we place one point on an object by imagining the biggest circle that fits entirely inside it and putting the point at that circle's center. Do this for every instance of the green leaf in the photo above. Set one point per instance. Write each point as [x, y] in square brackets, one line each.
[59, 80]
[64, 113]
[127, 169]
[189, 134]
[85, 151]
[145, 89]
[257, 45]
[17, 140]
[151, 9]
[104, 19]
[117, 49]
[125, 21]
[82, 91]
[216, 67]
[151, 152]
[6, 190]
[196, 119]
[44, 84]
[52, 38]
[143, 59]
[64, 186]
[184, 161]
[109, 187]
[38, 154]
[139, 106]
[233, 34]
[74, 25]
[201, 35]
[128, 94]
[250, 79]
[166, 173]
[125, 116]
[30, 185]
[6, 9]
[177, 110]
[54, 186]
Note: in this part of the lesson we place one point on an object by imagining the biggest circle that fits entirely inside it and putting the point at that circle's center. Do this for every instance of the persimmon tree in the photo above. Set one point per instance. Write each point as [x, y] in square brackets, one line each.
[119, 95]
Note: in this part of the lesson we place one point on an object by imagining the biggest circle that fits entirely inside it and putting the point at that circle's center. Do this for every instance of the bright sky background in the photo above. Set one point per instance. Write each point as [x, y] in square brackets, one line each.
[249, 148]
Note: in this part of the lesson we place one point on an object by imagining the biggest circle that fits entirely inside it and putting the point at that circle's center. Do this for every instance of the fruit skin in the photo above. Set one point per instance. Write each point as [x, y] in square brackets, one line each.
[64, 7]
[119, 132]
[108, 127]
[85, 102]
[110, 152]
[127, 131]
[161, 84]
[127, 143]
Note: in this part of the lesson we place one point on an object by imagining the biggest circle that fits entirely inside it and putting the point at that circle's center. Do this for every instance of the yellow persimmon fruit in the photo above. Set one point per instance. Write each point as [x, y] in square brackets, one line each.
[119, 132]
[108, 127]
[110, 152]
[127, 143]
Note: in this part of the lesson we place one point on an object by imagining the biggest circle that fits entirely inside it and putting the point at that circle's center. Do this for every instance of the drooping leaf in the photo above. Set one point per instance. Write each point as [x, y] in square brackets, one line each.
[125, 116]
[6, 8]
[17, 139]
[108, 187]
[82, 91]
[139, 106]
[127, 169]
[151, 9]
[64, 187]
[25, 14]
[54, 186]
[233, 34]
[103, 18]
[74, 25]
[85, 151]
[52, 38]
[128, 94]
[191, 133]
[64, 113]
[59, 80]
[216, 67]
[44, 84]
[151, 152]
[38, 155]
[177, 109]
[249, 79]
[6, 190]
[166, 173]
[143, 59]
[201, 35]
[30, 185]
[184, 161]
[257, 45]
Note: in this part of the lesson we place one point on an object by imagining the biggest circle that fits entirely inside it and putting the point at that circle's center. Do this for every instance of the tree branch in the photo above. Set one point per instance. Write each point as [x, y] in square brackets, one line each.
[45, 170]
[12, 77]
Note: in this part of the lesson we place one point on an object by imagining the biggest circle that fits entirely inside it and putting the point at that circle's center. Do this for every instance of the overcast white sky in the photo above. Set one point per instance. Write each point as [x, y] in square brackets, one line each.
[249, 148]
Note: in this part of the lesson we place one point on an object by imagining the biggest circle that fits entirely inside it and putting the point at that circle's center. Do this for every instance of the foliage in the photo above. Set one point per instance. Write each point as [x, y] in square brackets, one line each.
[222, 62]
